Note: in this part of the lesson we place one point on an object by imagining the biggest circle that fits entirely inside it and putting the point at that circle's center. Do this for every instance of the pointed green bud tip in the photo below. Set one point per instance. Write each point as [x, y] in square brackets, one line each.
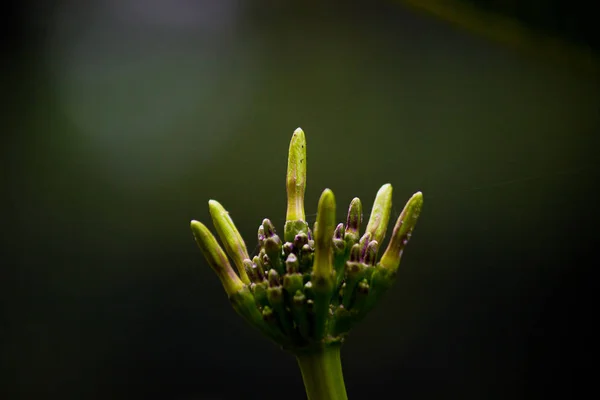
[380, 214]
[231, 238]
[402, 232]
[268, 228]
[339, 231]
[296, 177]
[216, 258]
[354, 217]
[324, 229]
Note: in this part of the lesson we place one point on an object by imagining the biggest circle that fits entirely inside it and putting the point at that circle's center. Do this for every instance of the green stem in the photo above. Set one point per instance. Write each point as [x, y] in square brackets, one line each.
[322, 374]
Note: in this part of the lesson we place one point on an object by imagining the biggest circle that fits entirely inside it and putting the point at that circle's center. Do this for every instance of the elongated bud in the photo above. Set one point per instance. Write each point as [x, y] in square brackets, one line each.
[364, 242]
[231, 238]
[257, 261]
[402, 232]
[354, 218]
[296, 186]
[339, 231]
[296, 177]
[324, 229]
[273, 251]
[339, 245]
[261, 235]
[216, 258]
[371, 253]
[380, 214]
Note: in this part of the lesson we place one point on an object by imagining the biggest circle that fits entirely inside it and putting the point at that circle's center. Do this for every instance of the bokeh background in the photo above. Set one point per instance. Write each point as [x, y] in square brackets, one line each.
[123, 118]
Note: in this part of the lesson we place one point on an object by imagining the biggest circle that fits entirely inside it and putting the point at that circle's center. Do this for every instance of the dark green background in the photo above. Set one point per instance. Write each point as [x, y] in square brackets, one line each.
[121, 125]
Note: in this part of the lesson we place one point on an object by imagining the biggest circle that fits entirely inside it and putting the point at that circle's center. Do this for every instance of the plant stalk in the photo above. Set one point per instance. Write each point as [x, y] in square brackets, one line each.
[322, 374]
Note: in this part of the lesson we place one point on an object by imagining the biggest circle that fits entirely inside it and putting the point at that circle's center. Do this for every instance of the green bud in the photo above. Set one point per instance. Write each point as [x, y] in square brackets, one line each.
[322, 275]
[268, 228]
[340, 254]
[402, 232]
[260, 293]
[250, 269]
[273, 251]
[380, 214]
[324, 228]
[306, 257]
[231, 238]
[273, 278]
[339, 244]
[364, 242]
[261, 235]
[355, 253]
[292, 283]
[292, 228]
[354, 220]
[300, 240]
[371, 253]
[291, 264]
[296, 186]
[216, 258]
[303, 290]
[288, 248]
[296, 177]
[258, 266]
[338, 233]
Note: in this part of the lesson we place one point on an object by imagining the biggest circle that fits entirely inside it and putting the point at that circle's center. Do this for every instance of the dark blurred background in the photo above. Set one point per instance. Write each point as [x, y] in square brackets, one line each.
[122, 118]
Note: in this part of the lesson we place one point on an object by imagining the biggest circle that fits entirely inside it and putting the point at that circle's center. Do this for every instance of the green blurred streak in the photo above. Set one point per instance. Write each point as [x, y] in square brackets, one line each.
[535, 34]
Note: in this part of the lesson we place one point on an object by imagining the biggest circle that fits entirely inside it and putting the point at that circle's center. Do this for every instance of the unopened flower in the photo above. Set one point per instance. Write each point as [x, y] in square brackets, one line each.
[306, 290]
